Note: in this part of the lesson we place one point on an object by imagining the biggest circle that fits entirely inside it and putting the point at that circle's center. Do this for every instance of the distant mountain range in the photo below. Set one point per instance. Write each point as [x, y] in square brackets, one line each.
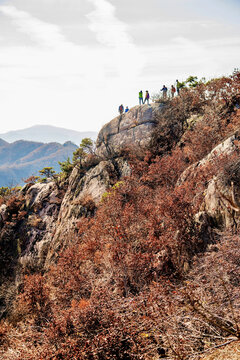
[47, 133]
[22, 158]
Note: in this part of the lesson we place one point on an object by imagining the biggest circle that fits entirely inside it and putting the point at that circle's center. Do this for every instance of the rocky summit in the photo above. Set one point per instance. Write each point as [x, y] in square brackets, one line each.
[133, 128]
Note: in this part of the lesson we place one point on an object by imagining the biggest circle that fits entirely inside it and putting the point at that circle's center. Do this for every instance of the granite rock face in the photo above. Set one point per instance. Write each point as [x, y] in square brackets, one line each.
[222, 194]
[53, 215]
[133, 128]
[83, 194]
[43, 202]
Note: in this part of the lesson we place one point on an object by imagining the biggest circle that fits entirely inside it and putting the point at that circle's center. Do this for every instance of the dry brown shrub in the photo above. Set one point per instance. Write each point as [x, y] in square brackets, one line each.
[34, 221]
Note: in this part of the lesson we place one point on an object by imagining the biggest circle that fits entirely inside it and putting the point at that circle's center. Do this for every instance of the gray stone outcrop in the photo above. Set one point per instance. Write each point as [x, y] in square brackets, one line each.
[133, 128]
[83, 190]
[43, 202]
[222, 195]
[3, 213]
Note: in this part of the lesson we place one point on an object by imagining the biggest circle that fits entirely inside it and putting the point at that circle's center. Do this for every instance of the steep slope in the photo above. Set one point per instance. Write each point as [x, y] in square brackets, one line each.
[136, 254]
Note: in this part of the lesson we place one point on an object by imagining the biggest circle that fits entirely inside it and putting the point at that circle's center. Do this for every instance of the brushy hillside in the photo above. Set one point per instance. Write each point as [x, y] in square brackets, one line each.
[144, 277]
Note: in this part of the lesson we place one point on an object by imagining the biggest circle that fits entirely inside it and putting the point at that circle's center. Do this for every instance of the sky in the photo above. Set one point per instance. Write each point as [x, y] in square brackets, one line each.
[71, 63]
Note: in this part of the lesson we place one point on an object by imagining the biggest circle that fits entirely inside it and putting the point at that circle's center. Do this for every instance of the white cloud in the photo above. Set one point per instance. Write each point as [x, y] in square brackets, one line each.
[44, 82]
[113, 33]
[51, 79]
[46, 34]
[109, 30]
[182, 57]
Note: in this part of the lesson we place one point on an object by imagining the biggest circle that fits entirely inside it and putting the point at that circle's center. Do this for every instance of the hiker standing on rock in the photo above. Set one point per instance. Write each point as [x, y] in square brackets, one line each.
[178, 86]
[173, 90]
[147, 96]
[164, 90]
[126, 109]
[121, 109]
[140, 97]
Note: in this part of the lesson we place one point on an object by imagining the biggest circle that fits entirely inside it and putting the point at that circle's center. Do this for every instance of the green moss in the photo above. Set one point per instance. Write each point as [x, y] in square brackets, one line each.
[113, 189]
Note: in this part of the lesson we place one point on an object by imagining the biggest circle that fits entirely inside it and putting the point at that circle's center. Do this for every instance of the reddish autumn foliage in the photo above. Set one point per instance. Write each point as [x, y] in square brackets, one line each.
[143, 279]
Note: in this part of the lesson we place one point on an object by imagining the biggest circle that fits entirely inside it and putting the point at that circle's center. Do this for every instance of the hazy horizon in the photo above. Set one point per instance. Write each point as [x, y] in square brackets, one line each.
[47, 134]
[70, 64]
[43, 125]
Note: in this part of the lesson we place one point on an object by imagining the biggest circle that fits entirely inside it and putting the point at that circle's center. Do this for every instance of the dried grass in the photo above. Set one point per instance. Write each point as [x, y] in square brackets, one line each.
[229, 352]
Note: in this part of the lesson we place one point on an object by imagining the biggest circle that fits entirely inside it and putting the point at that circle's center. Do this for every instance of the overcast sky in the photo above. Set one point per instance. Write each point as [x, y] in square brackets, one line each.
[70, 63]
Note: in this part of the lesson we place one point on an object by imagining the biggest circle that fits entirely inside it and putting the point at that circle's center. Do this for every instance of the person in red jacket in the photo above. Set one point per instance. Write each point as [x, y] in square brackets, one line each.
[173, 90]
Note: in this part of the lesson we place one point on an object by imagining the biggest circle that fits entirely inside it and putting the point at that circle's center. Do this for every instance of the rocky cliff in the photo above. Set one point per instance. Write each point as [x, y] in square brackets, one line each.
[50, 213]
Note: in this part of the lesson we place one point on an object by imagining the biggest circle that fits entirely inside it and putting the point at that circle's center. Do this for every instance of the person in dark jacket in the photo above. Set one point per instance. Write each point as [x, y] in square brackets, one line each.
[121, 109]
[147, 96]
[164, 90]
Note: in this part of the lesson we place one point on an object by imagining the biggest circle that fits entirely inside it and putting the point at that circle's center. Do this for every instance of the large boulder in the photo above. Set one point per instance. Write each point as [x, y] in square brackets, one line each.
[222, 195]
[133, 128]
[39, 192]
